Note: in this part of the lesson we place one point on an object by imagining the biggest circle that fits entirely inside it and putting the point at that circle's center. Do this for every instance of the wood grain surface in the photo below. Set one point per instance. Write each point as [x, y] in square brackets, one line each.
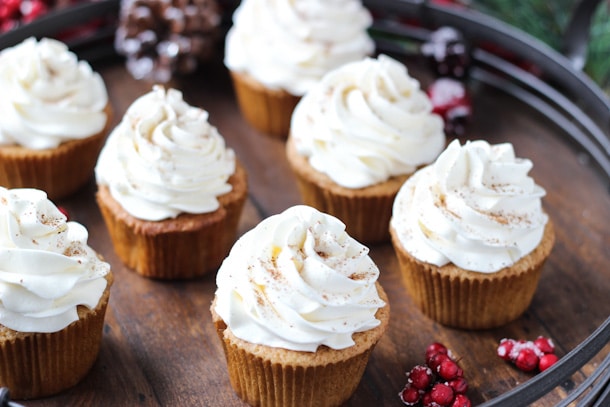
[159, 346]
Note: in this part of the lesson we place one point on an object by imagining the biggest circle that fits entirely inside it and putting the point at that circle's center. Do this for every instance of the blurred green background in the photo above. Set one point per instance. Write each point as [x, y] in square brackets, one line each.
[547, 20]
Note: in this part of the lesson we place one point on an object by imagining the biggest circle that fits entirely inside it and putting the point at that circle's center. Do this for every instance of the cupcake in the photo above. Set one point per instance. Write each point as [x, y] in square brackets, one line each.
[54, 292]
[298, 310]
[471, 236]
[275, 52]
[356, 137]
[171, 193]
[54, 116]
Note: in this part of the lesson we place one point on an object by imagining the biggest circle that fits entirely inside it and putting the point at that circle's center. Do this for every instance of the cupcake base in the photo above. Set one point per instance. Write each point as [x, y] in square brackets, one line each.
[58, 171]
[34, 365]
[366, 212]
[267, 110]
[187, 246]
[266, 376]
[469, 300]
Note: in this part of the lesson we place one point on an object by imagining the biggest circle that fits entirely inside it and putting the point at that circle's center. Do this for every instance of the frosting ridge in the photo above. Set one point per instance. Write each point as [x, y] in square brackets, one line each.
[298, 281]
[366, 122]
[48, 96]
[46, 267]
[291, 45]
[475, 207]
[165, 158]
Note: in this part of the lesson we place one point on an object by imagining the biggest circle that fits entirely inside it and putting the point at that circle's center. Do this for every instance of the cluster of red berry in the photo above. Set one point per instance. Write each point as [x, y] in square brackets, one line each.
[449, 57]
[14, 13]
[529, 355]
[438, 383]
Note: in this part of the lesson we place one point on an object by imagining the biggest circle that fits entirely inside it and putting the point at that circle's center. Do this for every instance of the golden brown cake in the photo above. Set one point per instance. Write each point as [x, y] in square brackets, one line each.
[187, 246]
[59, 171]
[34, 364]
[266, 376]
[273, 67]
[366, 211]
[466, 299]
[298, 309]
[267, 110]
[471, 236]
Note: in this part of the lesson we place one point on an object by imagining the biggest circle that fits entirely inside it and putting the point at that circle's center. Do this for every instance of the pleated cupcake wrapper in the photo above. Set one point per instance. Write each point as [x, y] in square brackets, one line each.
[58, 171]
[190, 246]
[34, 365]
[468, 300]
[267, 110]
[366, 217]
[260, 382]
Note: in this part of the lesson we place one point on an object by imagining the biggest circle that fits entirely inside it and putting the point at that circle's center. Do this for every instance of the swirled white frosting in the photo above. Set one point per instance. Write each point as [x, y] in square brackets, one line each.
[475, 207]
[46, 267]
[366, 122]
[298, 281]
[290, 45]
[48, 96]
[165, 158]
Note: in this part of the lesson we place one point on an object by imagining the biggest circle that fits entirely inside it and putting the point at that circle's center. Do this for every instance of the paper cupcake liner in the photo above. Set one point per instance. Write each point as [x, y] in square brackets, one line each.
[264, 376]
[366, 212]
[187, 246]
[469, 300]
[267, 110]
[34, 365]
[58, 171]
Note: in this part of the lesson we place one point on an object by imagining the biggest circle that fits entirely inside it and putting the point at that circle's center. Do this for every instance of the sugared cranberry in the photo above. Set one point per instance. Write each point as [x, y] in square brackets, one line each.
[436, 360]
[420, 376]
[527, 360]
[459, 385]
[544, 344]
[461, 400]
[448, 369]
[434, 348]
[447, 52]
[505, 347]
[547, 361]
[451, 101]
[410, 396]
[32, 9]
[442, 394]
[64, 211]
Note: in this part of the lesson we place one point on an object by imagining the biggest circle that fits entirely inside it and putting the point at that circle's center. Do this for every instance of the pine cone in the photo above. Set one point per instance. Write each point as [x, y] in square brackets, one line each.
[163, 37]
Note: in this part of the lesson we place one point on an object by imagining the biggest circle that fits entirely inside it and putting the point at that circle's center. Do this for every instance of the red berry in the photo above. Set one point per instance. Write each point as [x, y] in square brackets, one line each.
[447, 369]
[505, 347]
[426, 400]
[459, 385]
[527, 360]
[442, 394]
[420, 376]
[545, 344]
[436, 360]
[547, 361]
[410, 396]
[461, 401]
[435, 348]
[64, 211]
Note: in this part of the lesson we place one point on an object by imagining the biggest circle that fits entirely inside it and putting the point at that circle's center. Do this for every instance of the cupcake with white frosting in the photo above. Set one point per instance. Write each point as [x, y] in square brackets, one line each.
[356, 137]
[299, 310]
[276, 51]
[171, 192]
[471, 235]
[54, 117]
[54, 292]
